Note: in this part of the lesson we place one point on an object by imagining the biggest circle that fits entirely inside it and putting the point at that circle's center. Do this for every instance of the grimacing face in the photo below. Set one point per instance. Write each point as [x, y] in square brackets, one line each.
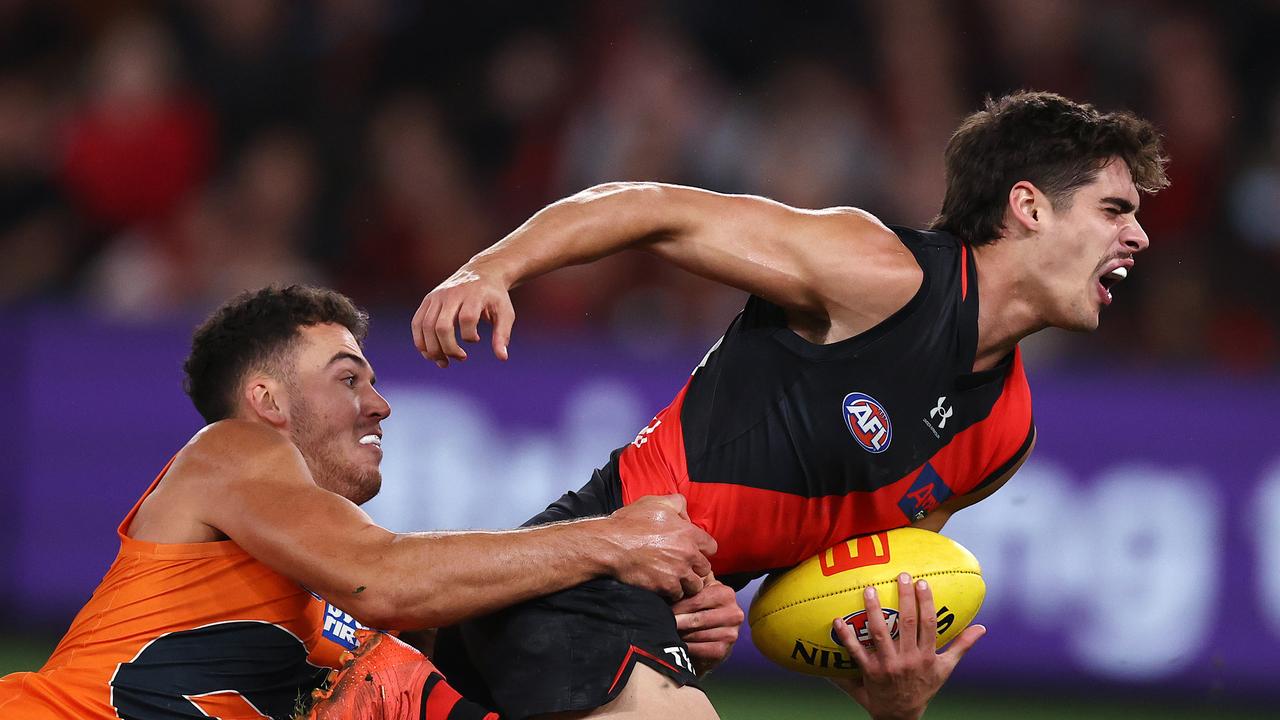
[1091, 248]
[335, 413]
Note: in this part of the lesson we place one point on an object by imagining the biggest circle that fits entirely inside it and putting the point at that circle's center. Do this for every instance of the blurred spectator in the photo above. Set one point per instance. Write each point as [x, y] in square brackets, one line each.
[648, 114]
[528, 88]
[247, 58]
[814, 141]
[1195, 103]
[418, 217]
[418, 134]
[241, 234]
[919, 61]
[1037, 45]
[264, 217]
[141, 142]
[36, 227]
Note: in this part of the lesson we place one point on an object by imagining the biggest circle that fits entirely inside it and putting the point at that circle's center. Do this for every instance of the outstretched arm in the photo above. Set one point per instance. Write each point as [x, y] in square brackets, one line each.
[255, 488]
[839, 265]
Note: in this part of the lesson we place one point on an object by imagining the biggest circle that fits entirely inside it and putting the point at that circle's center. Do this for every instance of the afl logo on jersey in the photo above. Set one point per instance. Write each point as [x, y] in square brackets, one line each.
[868, 421]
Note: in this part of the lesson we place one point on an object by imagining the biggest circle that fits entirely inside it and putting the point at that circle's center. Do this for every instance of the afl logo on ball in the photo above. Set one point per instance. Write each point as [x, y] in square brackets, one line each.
[858, 621]
[868, 421]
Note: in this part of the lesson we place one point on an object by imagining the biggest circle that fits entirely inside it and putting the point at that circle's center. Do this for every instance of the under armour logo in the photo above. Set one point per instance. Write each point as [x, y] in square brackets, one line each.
[945, 412]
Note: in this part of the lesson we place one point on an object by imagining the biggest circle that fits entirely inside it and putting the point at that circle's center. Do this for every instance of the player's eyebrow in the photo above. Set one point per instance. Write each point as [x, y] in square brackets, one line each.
[1121, 204]
[344, 355]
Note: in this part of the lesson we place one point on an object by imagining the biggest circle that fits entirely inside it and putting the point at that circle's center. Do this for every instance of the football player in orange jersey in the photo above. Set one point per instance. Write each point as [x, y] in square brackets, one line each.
[247, 566]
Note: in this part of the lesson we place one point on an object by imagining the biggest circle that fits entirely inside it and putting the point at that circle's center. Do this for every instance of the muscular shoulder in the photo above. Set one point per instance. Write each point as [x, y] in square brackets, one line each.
[866, 273]
[208, 473]
[231, 452]
[866, 249]
[229, 448]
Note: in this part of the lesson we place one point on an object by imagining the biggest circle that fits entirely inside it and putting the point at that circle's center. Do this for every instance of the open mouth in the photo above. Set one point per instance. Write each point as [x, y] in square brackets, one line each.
[1109, 280]
[372, 439]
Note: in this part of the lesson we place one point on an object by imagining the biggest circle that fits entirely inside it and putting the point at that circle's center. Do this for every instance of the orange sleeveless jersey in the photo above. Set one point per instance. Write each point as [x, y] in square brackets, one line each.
[185, 631]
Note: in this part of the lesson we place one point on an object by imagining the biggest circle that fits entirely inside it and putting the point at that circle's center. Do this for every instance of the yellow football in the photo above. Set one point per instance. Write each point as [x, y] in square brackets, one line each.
[791, 615]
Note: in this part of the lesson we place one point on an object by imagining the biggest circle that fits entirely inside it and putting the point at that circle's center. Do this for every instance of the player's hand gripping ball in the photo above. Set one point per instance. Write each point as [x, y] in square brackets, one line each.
[791, 616]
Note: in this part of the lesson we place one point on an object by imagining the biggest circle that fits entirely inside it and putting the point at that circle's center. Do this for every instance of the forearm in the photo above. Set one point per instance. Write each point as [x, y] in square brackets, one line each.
[435, 579]
[589, 225]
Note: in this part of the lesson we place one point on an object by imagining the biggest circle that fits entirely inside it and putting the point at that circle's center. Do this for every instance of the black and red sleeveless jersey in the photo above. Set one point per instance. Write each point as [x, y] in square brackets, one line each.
[783, 447]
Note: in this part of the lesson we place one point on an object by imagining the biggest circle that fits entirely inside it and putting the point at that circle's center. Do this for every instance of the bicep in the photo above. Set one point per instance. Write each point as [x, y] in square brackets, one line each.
[807, 260]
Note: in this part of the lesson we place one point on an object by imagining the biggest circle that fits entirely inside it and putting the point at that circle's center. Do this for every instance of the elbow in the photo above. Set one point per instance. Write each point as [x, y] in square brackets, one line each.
[610, 189]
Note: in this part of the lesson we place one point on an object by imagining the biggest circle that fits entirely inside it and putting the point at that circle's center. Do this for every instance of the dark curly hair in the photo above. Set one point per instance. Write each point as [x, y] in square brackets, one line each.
[253, 330]
[1056, 144]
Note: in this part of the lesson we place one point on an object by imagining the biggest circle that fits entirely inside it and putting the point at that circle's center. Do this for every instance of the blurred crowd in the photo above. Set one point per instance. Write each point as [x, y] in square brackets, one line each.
[157, 157]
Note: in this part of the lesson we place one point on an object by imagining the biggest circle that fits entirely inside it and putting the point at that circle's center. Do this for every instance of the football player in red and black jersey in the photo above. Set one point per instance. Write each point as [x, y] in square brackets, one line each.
[873, 379]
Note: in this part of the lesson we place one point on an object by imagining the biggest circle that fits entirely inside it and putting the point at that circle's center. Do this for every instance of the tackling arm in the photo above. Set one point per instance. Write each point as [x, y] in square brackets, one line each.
[259, 493]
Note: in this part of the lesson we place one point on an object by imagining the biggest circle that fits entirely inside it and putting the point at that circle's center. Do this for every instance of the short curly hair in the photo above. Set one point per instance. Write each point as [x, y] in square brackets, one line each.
[253, 330]
[1056, 144]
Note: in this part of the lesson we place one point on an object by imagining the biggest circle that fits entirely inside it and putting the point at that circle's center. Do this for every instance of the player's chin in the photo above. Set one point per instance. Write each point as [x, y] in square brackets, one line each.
[366, 486]
[1083, 321]
[1084, 317]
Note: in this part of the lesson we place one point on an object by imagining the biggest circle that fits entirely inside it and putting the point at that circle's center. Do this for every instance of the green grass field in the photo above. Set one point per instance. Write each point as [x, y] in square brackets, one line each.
[746, 698]
[739, 699]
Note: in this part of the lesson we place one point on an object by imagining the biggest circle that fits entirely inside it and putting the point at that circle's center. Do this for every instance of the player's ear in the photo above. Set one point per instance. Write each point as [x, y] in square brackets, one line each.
[1027, 205]
[266, 399]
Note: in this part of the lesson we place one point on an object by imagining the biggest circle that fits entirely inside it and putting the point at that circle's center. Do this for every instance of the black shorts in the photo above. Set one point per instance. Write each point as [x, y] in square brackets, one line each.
[573, 650]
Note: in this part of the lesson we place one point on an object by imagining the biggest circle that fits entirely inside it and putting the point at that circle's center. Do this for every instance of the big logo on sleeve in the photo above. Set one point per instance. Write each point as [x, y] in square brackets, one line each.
[867, 421]
[340, 626]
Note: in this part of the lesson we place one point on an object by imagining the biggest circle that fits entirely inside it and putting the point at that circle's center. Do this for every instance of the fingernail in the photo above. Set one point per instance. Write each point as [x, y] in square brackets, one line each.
[870, 592]
[922, 585]
[904, 578]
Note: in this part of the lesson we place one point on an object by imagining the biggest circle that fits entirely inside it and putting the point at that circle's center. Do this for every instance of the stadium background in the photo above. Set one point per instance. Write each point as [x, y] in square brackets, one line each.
[157, 157]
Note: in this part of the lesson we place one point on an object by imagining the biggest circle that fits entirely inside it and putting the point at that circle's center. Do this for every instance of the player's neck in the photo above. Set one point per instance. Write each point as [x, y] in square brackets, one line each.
[1007, 311]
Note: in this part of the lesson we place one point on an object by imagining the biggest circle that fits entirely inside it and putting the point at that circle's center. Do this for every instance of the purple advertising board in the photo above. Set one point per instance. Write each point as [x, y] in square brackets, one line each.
[1141, 544]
